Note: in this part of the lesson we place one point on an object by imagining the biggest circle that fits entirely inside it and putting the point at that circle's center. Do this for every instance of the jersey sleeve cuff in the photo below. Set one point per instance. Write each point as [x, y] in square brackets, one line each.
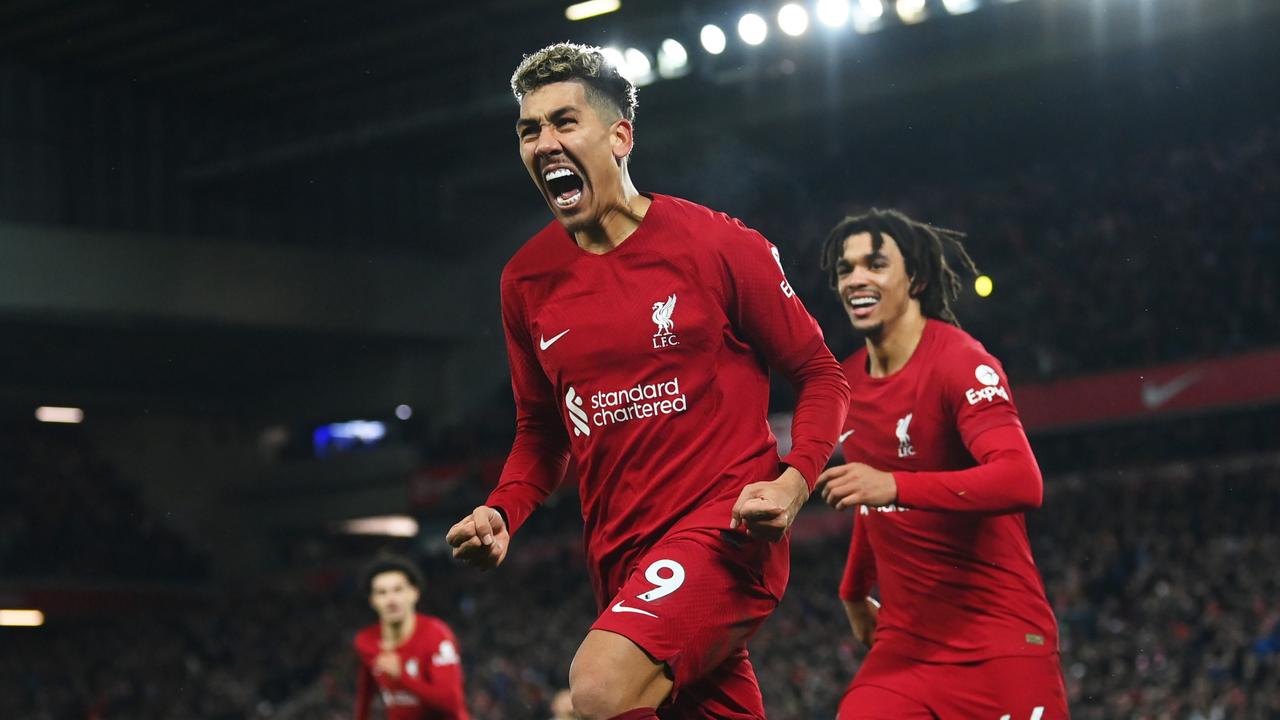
[808, 468]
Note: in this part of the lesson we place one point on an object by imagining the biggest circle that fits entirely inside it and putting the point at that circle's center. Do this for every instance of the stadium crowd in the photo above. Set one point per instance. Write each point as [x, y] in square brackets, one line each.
[67, 514]
[1099, 261]
[1163, 580]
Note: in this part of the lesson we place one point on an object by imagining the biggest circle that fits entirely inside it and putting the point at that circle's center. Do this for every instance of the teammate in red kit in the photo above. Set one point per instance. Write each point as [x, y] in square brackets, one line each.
[640, 332]
[940, 473]
[409, 658]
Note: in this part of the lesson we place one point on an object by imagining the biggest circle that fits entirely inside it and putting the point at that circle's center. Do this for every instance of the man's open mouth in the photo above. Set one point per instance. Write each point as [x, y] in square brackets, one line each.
[565, 186]
[862, 303]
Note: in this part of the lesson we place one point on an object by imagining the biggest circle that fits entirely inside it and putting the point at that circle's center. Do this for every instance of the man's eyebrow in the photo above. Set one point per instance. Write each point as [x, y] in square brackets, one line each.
[556, 114]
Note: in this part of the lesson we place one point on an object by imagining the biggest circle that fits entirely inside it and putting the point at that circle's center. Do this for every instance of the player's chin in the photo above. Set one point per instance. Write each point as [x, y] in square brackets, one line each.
[867, 326]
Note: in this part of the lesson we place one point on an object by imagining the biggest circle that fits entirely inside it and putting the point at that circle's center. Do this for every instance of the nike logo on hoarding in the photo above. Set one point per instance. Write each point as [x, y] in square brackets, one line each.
[618, 607]
[544, 343]
[1156, 394]
[845, 435]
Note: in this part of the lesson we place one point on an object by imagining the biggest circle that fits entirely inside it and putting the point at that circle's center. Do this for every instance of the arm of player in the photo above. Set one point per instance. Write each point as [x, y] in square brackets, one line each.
[764, 308]
[536, 464]
[1006, 478]
[364, 692]
[441, 692]
[856, 584]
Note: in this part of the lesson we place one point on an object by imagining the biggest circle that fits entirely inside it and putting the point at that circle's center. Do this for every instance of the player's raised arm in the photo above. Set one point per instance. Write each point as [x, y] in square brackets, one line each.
[765, 308]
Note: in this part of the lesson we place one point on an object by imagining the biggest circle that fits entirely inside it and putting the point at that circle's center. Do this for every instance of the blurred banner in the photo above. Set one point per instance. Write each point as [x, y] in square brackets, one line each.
[1163, 390]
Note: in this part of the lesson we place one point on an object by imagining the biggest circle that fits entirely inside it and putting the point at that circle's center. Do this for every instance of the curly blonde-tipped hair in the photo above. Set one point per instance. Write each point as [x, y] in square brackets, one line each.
[605, 86]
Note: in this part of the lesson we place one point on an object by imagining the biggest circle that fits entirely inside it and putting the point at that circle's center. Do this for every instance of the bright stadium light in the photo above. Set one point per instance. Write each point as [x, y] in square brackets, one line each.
[67, 415]
[591, 8]
[983, 285]
[752, 29]
[793, 19]
[911, 11]
[872, 9]
[833, 13]
[387, 525]
[673, 59]
[21, 618]
[712, 39]
[960, 7]
[615, 58]
[639, 66]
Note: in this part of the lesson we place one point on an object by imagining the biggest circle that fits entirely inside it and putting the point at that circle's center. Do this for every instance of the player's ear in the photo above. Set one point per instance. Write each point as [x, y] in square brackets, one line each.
[621, 138]
[918, 286]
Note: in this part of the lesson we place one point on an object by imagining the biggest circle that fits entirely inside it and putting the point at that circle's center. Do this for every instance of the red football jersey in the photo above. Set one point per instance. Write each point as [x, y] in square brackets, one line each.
[430, 682]
[956, 578]
[650, 364]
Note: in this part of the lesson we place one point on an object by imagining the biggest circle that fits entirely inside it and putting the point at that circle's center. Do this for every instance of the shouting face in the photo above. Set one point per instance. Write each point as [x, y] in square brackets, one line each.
[573, 149]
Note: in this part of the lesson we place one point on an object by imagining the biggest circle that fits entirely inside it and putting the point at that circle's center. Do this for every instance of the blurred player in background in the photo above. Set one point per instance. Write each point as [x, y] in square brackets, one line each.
[411, 658]
[940, 473]
[640, 332]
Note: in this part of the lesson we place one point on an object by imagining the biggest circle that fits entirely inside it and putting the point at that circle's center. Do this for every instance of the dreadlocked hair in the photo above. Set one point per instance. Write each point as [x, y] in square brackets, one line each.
[924, 249]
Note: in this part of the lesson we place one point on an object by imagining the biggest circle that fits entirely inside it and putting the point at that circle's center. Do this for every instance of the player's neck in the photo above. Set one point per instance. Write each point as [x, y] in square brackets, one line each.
[396, 633]
[617, 221]
[891, 349]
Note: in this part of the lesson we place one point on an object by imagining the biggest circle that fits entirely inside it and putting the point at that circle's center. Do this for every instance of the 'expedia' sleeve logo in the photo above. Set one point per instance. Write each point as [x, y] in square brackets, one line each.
[990, 389]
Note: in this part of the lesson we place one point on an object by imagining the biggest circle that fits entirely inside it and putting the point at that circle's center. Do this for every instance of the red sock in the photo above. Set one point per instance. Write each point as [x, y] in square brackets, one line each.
[637, 714]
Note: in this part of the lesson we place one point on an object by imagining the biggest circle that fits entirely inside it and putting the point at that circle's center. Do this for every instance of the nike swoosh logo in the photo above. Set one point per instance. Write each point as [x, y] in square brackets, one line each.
[1156, 394]
[544, 343]
[845, 435]
[620, 608]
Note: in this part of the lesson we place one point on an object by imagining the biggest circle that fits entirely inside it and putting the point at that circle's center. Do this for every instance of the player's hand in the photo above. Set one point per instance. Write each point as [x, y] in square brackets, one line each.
[481, 538]
[844, 486]
[387, 663]
[766, 509]
[862, 618]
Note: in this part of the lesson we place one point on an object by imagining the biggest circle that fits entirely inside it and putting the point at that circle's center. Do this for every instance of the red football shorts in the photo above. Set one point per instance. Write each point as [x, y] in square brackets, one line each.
[894, 687]
[691, 602]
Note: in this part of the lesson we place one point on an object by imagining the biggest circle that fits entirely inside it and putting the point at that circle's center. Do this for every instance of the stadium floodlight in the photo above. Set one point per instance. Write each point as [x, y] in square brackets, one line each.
[673, 59]
[639, 66]
[752, 29]
[911, 11]
[591, 8]
[712, 38]
[871, 9]
[21, 618]
[67, 415]
[793, 19]
[386, 525]
[960, 7]
[615, 58]
[833, 13]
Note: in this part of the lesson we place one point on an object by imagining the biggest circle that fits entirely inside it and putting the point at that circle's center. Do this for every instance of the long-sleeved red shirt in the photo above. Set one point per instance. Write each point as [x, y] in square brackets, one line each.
[650, 365]
[430, 682]
[951, 556]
